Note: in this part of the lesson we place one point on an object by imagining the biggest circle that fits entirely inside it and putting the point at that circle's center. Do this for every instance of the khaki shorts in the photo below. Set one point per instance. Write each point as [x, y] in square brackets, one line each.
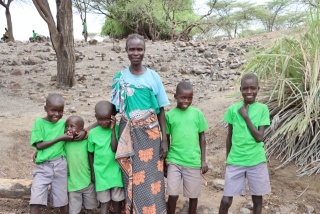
[191, 178]
[54, 173]
[86, 197]
[258, 180]
[116, 194]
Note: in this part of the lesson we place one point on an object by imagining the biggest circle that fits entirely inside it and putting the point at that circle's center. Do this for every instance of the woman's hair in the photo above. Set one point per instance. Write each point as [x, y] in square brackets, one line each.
[135, 36]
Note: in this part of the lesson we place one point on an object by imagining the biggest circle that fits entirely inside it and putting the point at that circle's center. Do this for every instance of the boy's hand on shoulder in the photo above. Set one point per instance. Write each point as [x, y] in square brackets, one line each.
[80, 135]
[113, 121]
[243, 111]
[204, 167]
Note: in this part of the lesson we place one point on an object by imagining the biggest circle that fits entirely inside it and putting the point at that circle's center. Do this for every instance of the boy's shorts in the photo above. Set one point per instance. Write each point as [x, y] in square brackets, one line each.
[258, 180]
[116, 194]
[52, 172]
[86, 197]
[191, 178]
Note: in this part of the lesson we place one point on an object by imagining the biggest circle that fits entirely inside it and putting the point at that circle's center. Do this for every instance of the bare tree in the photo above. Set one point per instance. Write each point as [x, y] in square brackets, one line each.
[61, 36]
[6, 5]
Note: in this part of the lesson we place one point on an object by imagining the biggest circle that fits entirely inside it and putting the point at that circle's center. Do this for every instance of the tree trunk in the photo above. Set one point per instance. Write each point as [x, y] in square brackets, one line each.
[9, 24]
[63, 44]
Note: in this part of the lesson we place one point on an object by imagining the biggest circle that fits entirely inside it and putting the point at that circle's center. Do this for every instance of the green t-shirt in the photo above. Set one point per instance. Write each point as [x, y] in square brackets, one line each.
[44, 130]
[184, 127]
[106, 170]
[245, 151]
[34, 35]
[79, 174]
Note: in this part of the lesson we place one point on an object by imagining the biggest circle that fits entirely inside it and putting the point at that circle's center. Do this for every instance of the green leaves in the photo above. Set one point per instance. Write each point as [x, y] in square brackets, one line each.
[290, 68]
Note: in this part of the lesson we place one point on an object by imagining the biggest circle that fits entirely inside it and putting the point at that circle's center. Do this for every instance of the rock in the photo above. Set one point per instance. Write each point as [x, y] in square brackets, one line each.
[116, 48]
[16, 72]
[15, 188]
[244, 210]
[93, 42]
[10, 43]
[164, 69]
[15, 86]
[218, 184]
[309, 208]
[72, 109]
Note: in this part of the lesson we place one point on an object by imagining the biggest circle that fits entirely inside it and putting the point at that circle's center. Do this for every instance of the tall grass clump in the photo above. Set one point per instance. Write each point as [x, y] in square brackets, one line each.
[290, 71]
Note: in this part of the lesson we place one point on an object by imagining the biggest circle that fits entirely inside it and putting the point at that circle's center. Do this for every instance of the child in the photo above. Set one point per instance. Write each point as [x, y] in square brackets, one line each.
[247, 121]
[81, 190]
[102, 144]
[48, 137]
[186, 158]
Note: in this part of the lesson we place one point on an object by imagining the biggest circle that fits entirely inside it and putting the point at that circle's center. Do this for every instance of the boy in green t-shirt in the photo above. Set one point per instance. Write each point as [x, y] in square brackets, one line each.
[102, 144]
[186, 160]
[81, 190]
[48, 137]
[247, 121]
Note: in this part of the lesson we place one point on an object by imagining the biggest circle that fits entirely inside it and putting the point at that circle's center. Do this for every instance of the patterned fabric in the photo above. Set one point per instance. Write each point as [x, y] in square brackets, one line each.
[138, 151]
[143, 172]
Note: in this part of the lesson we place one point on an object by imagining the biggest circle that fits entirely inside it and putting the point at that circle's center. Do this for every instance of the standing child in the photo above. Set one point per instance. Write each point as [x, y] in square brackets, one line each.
[186, 158]
[247, 121]
[102, 145]
[48, 137]
[81, 190]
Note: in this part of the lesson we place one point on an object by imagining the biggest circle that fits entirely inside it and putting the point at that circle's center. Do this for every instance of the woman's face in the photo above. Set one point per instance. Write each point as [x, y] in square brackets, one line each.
[135, 50]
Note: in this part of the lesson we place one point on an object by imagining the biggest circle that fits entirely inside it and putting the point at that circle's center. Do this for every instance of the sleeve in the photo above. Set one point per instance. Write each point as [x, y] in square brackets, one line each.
[115, 92]
[117, 131]
[228, 116]
[168, 126]
[36, 133]
[161, 95]
[90, 143]
[203, 126]
[265, 116]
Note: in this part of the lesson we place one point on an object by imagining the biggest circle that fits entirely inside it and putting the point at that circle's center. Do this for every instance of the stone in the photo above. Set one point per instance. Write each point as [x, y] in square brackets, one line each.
[16, 72]
[244, 210]
[218, 184]
[15, 188]
[309, 208]
[93, 42]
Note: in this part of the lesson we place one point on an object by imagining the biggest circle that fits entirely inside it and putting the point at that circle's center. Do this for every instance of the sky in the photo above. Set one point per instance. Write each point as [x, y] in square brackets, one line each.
[26, 18]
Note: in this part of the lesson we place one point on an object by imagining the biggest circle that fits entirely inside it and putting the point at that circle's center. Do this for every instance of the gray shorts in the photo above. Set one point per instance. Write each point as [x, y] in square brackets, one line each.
[86, 197]
[54, 173]
[116, 194]
[191, 178]
[258, 180]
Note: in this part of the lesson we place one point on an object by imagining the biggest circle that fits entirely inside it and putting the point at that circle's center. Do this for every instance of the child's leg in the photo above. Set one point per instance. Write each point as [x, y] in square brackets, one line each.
[34, 208]
[117, 207]
[104, 208]
[193, 203]
[257, 204]
[225, 204]
[172, 203]
[117, 195]
[64, 209]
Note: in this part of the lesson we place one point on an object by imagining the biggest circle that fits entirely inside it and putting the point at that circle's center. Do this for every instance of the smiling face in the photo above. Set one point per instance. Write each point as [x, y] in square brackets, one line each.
[184, 98]
[54, 111]
[249, 90]
[74, 125]
[135, 49]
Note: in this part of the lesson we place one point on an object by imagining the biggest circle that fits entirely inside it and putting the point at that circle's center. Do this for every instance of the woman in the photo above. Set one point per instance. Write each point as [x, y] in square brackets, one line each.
[139, 96]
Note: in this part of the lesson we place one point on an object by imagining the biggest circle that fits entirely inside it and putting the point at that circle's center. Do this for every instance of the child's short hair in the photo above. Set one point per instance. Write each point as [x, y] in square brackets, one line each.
[78, 119]
[249, 76]
[54, 98]
[183, 86]
[103, 106]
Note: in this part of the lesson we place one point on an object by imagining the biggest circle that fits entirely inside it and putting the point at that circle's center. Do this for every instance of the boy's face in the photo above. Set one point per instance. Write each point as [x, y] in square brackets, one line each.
[184, 98]
[104, 119]
[249, 90]
[73, 127]
[54, 111]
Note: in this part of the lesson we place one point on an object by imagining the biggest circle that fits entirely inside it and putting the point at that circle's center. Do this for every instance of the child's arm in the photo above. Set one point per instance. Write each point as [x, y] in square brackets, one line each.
[257, 134]
[43, 145]
[204, 165]
[228, 140]
[114, 141]
[91, 157]
[164, 141]
[165, 167]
